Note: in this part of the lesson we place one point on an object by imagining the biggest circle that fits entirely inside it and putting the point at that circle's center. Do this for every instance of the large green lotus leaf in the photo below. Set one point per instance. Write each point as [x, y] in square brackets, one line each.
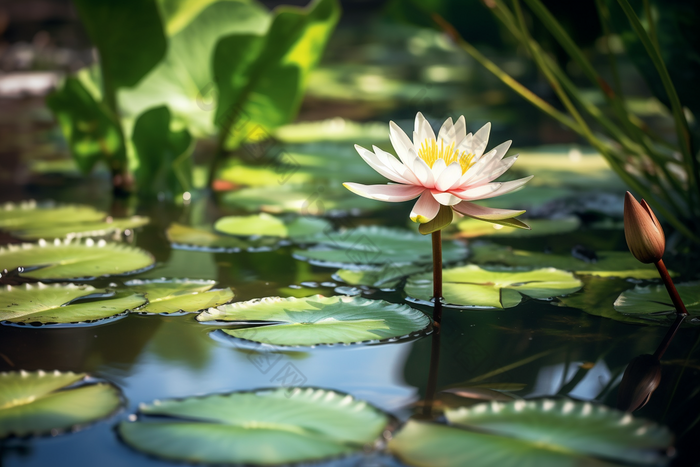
[74, 260]
[386, 277]
[609, 263]
[80, 230]
[304, 199]
[33, 215]
[431, 445]
[569, 426]
[335, 129]
[266, 427]
[474, 286]
[597, 298]
[470, 228]
[374, 245]
[318, 320]
[179, 295]
[128, 34]
[54, 304]
[40, 403]
[183, 80]
[264, 224]
[89, 127]
[186, 237]
[261, 80]
[652, 302]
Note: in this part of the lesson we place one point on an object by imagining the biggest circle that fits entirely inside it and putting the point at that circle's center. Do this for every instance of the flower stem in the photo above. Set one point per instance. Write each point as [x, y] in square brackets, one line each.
[437, 276]
[668, 282]
[669, 336]
[431, 387]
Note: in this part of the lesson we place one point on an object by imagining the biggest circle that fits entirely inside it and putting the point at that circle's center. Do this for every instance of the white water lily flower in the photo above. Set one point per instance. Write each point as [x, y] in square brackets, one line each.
[450, 170]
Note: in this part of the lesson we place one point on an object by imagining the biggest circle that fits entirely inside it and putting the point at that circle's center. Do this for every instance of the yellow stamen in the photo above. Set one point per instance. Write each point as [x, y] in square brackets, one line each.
[430, 152]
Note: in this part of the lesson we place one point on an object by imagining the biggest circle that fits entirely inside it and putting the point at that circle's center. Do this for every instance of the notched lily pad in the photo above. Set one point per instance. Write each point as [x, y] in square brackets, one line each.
[473, 286]
[73, 259]
[387, 277]
[545, 433]
[30, 214]
[185, 237]
[265, 427]
[57, 304]
[377, 246]
[38, 403]
[266, 225]
[80, 230]
[653, 303]
[608, 263]
[318, 320]
[167, 296]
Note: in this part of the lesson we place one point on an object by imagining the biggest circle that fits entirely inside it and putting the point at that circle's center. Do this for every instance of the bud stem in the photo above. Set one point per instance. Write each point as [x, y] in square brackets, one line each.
[437, 276]
[668, 282]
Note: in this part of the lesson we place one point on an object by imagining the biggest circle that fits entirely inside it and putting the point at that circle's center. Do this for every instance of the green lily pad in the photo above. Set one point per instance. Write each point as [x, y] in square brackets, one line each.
[167, 296]
[566, 425]
[79, 230]
[335, 129]
[56, 304]
[373, 245]
[264, 224]
[33, 215]
[609, 263]
[387, 277]
[74, 260]
[470, 228]
[474, 286]
[597, 298]
[36, 403]
[318, 320]
[542, 433]
[652, 302]
[191, 238]
[303, 199]
[266, 427]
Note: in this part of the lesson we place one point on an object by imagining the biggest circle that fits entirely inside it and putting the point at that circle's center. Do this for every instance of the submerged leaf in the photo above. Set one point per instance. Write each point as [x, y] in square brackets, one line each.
[56, 304]
[73, 260]
[179, 295]
[493, 287]
[318, 320]
[41, 403]
[265, 427]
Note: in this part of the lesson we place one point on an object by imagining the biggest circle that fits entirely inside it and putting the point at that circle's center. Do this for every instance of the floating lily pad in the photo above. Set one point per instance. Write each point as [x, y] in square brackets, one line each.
[36, 403]
[73, 260]
[470, 228]
[79, 230]
[652, 302]
[541, 433]
[318, 320]
[375, 245]
[179, 295]
[577, 427]
[266, 225]
[303, 199]
[56, 304]
[597, 298]
[31, 214]
[474, 286]
[191, 238]
[386, 277]
[608, 264]
[267, 427]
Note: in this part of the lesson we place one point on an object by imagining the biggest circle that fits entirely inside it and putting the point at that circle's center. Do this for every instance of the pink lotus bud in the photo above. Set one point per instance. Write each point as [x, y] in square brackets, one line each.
[643, 232]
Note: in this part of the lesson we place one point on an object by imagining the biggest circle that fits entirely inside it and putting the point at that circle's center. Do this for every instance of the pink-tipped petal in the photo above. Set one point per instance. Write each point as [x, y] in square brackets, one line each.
[379, 165]
[481, 139]
[389, 193]
[423, 173]
[484, 213]
[422, 131]
[425, 209]
[448, 177]
[402, 144]
[491, 190]
[446, 135]
[395, 165]
[445, 198]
